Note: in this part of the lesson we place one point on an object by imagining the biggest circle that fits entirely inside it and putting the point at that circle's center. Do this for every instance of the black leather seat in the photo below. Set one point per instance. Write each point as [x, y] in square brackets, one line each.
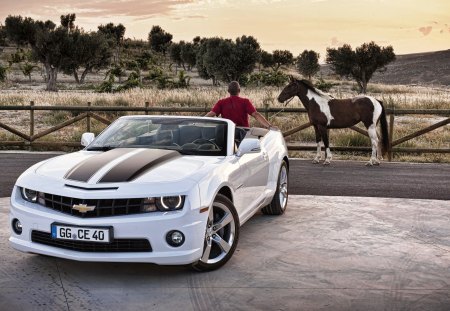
[189, 133]
[220, 136]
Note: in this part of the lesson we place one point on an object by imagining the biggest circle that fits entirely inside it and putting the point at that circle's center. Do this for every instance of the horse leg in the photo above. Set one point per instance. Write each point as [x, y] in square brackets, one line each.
[379, 153]
[324, 133]
[318, 139]
[374, 139]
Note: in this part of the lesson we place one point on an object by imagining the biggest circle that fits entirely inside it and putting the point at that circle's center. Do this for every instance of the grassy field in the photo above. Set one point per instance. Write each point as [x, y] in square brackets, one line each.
[412, 97]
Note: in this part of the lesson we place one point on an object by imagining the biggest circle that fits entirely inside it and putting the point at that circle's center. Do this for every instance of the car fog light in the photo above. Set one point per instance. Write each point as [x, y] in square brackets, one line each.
[17, 226]
[175, 238]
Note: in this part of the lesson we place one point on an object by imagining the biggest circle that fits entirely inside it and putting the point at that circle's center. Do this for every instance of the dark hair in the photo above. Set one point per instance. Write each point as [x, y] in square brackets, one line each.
[234, 88]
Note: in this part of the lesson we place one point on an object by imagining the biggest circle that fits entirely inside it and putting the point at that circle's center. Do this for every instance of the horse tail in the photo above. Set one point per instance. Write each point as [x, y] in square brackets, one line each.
[384, 130]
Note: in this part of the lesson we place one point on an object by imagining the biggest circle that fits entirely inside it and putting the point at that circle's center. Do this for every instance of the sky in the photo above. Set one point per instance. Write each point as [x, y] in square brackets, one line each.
[410, 26]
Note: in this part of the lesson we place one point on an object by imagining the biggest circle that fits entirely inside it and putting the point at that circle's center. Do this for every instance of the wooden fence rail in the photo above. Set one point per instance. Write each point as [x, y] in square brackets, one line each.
[89, 112]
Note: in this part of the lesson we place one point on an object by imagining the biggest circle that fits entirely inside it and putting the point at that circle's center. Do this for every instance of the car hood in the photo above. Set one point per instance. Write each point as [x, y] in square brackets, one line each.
[125, 165]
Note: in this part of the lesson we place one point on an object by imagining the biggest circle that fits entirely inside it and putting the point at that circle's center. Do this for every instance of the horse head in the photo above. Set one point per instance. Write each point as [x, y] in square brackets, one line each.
[289, 90]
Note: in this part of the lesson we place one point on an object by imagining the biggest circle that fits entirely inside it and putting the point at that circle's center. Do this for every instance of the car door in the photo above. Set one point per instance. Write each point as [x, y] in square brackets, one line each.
[254, 174]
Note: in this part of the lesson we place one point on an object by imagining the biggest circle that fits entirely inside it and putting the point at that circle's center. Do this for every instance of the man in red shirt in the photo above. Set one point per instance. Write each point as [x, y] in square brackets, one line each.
[236, 108]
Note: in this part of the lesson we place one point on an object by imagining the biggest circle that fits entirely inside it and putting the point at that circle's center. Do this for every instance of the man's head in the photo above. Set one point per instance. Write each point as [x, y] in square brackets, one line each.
[234, 88]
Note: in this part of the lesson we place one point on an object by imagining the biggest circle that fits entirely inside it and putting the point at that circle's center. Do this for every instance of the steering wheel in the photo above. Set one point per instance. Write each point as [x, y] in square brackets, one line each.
[201, 141]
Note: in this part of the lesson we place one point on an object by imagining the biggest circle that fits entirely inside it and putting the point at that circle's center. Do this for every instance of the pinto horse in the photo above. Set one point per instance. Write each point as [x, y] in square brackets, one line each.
[326, 112]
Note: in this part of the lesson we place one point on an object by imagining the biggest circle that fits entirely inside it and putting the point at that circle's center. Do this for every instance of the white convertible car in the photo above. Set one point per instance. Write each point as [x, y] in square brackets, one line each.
[158, 189]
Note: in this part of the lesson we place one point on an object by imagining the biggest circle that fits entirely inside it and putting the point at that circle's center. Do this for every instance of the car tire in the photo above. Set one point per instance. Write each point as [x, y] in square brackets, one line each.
[280, 198]
[221, 235]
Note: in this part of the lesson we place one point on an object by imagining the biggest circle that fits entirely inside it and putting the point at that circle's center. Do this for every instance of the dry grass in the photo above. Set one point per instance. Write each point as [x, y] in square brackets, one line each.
[412, 97]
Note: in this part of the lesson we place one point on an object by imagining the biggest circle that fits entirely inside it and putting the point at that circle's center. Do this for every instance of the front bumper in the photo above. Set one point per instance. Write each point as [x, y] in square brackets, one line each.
[151, 226]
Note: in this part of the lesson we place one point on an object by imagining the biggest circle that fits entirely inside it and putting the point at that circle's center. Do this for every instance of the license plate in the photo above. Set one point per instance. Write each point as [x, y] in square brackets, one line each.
[74, 233]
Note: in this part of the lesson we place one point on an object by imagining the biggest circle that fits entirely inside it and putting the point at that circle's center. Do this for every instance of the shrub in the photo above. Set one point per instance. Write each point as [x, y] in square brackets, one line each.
[2, 73]
[275, 78]
[324, 85]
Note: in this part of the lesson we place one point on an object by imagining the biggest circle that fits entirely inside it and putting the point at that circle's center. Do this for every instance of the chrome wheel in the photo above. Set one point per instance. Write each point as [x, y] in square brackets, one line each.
[279, 201]
[220, 234]
[283, 187]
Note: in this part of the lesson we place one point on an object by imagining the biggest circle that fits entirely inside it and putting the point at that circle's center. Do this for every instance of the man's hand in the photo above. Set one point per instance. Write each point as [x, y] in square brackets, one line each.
[210, 114]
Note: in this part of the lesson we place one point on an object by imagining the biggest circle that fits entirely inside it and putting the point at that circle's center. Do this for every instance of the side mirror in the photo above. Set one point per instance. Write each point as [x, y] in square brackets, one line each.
[87, 138]
[249, 145]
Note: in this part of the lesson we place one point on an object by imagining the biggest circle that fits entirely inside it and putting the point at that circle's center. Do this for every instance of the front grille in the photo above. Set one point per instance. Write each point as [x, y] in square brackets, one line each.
[103, 207]
[116, 246]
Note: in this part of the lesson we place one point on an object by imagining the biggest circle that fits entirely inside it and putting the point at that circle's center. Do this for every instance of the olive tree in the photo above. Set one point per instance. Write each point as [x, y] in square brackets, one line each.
[116, 34]
[50, 44]
[159, 39]
[89, 52]
[361, 63]
[308, 63]
[227, 60]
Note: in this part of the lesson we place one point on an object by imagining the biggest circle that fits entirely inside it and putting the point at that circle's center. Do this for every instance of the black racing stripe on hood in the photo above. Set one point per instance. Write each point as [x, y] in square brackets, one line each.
[138, 164]
[84, 170]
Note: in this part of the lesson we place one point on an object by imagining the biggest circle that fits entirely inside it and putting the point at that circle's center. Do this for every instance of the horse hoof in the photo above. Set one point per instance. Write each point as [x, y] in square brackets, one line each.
[369, 163]
[326, 163]
[315, 161]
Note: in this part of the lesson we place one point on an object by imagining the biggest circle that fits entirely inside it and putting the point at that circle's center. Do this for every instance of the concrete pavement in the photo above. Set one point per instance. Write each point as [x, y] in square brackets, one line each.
[325, 253]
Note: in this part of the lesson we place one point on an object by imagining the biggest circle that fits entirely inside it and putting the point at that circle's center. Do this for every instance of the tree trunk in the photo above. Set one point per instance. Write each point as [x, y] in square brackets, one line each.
[84, 74]
[363, 82]
[52, 74]
[360, 86]
[364, 86]
[75, 74]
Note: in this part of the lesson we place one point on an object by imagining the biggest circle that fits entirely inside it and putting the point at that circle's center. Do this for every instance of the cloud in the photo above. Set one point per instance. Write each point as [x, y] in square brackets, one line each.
[93, 8]
[188, 17]
[426, 30]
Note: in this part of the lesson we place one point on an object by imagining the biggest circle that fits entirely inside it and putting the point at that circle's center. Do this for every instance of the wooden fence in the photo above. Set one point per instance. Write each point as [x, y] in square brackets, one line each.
[90, 112]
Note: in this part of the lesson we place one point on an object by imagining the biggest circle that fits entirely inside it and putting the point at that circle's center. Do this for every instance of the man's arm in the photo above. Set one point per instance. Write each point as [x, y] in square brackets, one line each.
[260, 118]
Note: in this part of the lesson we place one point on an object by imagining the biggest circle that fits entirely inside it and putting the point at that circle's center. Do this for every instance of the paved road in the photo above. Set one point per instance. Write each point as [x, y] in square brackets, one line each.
[324, 253]
[341, 178]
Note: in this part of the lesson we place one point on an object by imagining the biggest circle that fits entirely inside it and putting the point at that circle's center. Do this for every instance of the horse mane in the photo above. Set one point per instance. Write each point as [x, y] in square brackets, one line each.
[310, 86]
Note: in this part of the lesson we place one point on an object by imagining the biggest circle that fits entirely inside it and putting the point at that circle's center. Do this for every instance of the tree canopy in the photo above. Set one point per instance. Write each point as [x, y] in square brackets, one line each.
[276, 59]
[116, 32]
[361, 63]
[89, 51]
[282, 58]
[308, 63]
[227, 60]
[159, 39]
[2, 36]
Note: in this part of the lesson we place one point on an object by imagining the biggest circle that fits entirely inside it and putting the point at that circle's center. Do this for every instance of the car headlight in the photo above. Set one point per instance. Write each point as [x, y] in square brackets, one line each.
[29, 195]
[170, 203]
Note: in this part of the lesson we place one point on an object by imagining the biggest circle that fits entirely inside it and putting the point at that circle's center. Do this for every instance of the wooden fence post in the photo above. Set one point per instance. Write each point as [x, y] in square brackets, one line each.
[146, 107]
[88, 118]
[31, 118]
[31, 123]
[266, 111]
[391, 134]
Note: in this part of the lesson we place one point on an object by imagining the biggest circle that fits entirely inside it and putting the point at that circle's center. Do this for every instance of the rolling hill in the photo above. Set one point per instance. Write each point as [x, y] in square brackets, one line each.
[430, 68]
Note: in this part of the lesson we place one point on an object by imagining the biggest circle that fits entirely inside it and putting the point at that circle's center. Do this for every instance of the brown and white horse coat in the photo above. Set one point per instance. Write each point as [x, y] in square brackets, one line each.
[326, 112]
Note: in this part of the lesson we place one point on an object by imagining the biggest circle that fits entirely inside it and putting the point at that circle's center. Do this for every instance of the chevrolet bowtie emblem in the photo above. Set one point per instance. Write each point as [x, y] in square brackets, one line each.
[83, 208]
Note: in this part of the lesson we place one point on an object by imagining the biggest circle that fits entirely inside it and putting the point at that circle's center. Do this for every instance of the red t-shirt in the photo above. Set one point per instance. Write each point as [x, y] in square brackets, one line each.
[235, 108]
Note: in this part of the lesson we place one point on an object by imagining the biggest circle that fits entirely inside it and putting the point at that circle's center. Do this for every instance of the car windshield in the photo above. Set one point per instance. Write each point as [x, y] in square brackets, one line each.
[187, 136]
